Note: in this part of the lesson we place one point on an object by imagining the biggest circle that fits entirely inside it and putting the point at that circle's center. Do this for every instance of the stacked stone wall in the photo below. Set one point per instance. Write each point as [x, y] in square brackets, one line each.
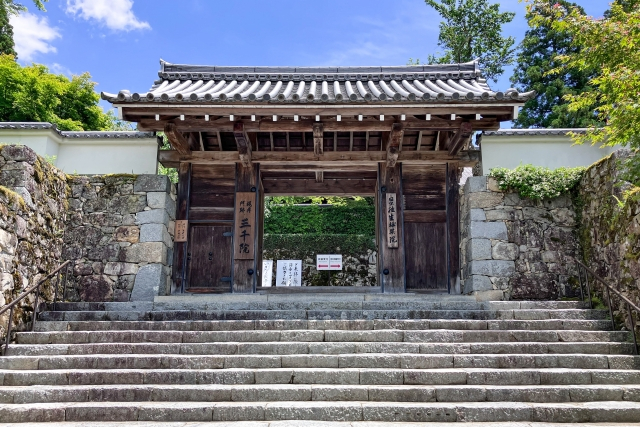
[610, 229]
[516, 248]
[33, 205]
[119, 232]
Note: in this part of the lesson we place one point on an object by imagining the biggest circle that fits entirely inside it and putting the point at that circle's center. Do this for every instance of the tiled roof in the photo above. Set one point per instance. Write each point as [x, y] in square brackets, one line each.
[83, 134]
[420, 84]
[511, 132]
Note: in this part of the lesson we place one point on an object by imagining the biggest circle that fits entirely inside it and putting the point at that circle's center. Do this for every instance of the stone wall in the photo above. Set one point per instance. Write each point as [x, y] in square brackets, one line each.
[33, 204]
[117, 230]
[119, 234]
[610, 229]
[515, 248]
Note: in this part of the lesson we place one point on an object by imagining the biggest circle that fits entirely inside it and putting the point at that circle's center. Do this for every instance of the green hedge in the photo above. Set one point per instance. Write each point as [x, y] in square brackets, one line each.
[302, 245]
[536, 182]
[319, 220]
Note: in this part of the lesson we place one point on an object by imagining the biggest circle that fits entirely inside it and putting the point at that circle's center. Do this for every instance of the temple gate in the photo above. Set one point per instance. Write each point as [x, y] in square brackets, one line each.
[238, 134]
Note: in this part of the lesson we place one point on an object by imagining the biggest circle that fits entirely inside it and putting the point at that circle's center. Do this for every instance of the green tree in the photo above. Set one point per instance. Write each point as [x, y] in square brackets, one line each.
[33, 94]
[472, 29]
[627, 6]
[7, 46]
[8, 8]
[609, 45]
[538, 55]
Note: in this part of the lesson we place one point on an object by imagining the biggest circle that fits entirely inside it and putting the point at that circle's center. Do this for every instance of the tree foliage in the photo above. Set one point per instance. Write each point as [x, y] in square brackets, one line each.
[7, 46]
[472, 29]
[316, 219]
[610, 45]
[538, 55]
[33, 94]
[536, 182]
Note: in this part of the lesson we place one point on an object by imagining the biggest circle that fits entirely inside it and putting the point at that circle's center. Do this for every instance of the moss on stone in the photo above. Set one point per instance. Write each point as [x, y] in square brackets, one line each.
[13, 197]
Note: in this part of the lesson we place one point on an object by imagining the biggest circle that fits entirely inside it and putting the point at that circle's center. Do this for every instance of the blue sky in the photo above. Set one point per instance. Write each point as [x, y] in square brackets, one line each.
[120, 41]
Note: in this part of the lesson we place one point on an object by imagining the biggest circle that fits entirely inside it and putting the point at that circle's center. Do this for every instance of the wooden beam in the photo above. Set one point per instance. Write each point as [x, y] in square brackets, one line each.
[335, 167]
[219, 140]
[199, 125]
[271, 139]
[201, 141]
[392, 259]
[460, 138]
[319, 176]
[366, 143]
[335, 141]
[419, 143]
[350, 141]
[331, 187]
[393, 146]
[423, 216]
[330, 159]
[244, 281]
[176, 139]
[443, 140]
[243, 143]
[318, 138]
[453, 226]
[179, 271]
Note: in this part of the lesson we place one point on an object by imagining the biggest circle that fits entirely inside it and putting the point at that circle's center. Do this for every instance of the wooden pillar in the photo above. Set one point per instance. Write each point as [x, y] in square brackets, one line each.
[245, 235]
[453, 225]
[391, 238]
[179, 273]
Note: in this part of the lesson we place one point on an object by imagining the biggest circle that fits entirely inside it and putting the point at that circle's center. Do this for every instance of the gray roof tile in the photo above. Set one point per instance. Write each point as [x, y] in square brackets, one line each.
[82, 134]
[215, 84]
[511, 132]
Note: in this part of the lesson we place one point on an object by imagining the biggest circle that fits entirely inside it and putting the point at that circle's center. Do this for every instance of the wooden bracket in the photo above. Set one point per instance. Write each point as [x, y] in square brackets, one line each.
[460, 137]
[176, 139]
[393, 145]
[318, 138]
[243, 143]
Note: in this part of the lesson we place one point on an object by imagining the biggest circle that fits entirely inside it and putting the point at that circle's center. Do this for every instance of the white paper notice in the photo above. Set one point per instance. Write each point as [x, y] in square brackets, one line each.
[289, 272]
[329, 262]
[267, 272]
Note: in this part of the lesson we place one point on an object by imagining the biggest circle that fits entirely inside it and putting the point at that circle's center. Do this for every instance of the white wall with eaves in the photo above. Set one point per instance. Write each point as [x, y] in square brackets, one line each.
[89, 153]
[500, 149]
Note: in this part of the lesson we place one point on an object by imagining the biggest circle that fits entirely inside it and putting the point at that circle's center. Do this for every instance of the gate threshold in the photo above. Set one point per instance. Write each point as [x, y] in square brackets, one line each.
[319, 290]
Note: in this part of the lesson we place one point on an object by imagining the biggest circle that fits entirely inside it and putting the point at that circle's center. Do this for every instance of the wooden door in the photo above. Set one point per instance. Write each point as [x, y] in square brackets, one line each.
[209, 259]
[426, 256]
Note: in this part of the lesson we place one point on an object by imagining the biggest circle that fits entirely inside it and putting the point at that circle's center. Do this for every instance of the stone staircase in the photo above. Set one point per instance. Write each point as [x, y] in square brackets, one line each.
[321, 360]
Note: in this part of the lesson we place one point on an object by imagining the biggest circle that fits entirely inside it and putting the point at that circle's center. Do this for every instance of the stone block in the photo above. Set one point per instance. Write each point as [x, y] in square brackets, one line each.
[19, 153]
[488, 230]
[129, 234]
[505, 251]
[161, 200]
[477, 283]
[153, 216]
[95, 288]
[499, 268]
[477, 215]
[155, 233]
[152, 183]
[8, 242]
[477, 184]
[120, 268]
[149, 280]
[129, 204]
[485, 200]
[495, 295]
[492, 184]
[478, 249]
[153, 252]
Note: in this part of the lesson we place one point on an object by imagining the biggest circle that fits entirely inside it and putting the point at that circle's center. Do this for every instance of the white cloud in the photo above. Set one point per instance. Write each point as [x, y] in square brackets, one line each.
[114, 14]
[32, 35]
[60, 69]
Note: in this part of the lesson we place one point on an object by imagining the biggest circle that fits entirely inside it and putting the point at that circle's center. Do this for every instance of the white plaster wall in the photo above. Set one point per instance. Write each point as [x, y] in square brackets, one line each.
[99, 157]
[551, 151]
[89, 156]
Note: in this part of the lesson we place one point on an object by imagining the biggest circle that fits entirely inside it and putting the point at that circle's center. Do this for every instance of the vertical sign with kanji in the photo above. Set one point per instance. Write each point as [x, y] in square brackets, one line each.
[289, 272]
[245, 224]
[392, 221]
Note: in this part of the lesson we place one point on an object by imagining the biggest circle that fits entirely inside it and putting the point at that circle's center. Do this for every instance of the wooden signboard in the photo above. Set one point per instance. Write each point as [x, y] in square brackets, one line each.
[392, 221]
[181, 231]
[245, 225]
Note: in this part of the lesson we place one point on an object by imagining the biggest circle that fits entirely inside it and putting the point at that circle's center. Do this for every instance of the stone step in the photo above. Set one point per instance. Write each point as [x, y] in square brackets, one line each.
[306, 302]
[308, 423]
[288, 348]
[168, 315]
[371, 360]
[574, 412]
[306, 335]
[220, 325]
[302, 392]
[345, 376]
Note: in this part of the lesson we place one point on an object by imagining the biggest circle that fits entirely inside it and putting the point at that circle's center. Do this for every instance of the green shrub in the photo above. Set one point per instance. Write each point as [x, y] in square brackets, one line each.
[319, 220]
[536, 182]
[302, 245]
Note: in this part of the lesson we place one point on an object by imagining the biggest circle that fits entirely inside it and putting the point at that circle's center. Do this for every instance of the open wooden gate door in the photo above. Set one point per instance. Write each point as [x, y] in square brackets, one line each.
[209, 259]
[425, 228]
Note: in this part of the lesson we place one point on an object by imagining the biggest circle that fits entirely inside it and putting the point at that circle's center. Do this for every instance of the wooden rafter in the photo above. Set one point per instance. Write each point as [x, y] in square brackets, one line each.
[460, 137]
[176, 139]
[393, 146]
[243, 143]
